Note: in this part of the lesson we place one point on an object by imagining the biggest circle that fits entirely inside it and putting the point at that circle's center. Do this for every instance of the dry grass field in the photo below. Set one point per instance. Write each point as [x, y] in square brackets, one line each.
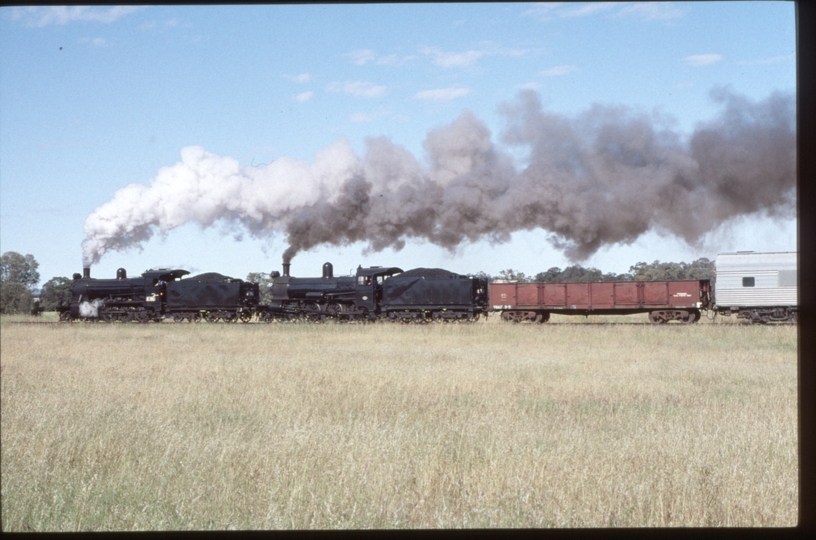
[164, 427]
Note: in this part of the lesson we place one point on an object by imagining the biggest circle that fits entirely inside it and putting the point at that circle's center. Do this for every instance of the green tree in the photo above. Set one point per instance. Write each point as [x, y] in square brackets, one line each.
[15, 298]
[55, 290]
[19, 268]
[18, 274]
[264, 285]
[512, 275]
[550, 276]
[482, 275]
[665, 271]
[702, 268]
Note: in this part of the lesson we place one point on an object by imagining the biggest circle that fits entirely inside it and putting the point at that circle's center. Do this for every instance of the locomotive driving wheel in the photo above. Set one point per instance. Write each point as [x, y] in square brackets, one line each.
[335, 311]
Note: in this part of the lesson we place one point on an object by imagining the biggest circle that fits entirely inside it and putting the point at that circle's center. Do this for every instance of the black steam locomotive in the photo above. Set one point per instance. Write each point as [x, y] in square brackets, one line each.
[419, 295]
[158, 294]
[377, 292]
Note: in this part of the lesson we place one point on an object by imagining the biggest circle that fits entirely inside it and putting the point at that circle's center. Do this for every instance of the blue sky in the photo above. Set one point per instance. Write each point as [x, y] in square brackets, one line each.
[95, 99]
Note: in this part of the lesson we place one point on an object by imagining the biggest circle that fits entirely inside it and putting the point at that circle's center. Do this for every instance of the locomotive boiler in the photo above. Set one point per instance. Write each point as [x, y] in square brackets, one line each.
[344, 298]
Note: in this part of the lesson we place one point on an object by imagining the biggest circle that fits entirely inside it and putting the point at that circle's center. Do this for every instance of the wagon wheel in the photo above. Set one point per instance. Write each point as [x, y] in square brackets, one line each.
[657, 317]
[245, 316]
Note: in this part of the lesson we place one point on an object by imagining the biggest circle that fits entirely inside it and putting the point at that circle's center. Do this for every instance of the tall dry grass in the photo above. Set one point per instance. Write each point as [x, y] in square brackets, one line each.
[157, 427]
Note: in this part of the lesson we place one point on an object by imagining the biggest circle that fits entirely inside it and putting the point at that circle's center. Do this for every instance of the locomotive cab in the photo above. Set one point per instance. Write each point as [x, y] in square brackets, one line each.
[368, 294]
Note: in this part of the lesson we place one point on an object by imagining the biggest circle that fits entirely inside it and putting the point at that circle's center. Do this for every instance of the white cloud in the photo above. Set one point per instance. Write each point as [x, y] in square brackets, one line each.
[369, 116]
[357, 88]
[391, 60]
[96, 42]
[361, 56]
[558, 70]
[702, 59]
[441, 94]
[45, 15]
[588, 9]
[765, 61]
[362, 117]
[448, 59]
[542, 11]
[646, 11]
[653, 11]
[302, 78]
[305, 96]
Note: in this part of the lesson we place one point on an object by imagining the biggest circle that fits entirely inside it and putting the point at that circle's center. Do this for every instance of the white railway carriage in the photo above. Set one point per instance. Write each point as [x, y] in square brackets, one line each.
[760, 287]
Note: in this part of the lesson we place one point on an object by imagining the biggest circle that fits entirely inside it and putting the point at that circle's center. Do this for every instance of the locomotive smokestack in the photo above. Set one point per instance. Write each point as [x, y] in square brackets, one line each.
[121, 274]
[86, 272]
[328, 270]
[286, 269]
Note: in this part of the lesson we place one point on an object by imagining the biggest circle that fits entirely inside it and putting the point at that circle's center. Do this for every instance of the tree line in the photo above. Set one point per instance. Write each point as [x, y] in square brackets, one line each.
[19, 277]
[702, 268]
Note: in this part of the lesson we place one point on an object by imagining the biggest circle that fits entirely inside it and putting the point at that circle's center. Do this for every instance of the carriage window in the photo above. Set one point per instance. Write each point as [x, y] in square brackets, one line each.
[747, 282]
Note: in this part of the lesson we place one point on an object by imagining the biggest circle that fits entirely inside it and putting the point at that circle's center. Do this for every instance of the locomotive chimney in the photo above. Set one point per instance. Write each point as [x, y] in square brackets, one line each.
[328, 270]
[86, 272]
[286, 269]
[121, 274]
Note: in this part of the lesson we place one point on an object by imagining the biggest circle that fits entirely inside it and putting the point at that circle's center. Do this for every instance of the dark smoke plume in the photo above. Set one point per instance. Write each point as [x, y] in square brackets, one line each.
[604, 177]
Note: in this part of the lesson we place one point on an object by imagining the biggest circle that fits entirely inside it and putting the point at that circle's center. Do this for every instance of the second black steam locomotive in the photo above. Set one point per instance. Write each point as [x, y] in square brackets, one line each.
[419, 295]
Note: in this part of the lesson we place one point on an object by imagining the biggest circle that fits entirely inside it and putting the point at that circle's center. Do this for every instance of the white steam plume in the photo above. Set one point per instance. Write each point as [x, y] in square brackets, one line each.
[604, 177]
[90, 309]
